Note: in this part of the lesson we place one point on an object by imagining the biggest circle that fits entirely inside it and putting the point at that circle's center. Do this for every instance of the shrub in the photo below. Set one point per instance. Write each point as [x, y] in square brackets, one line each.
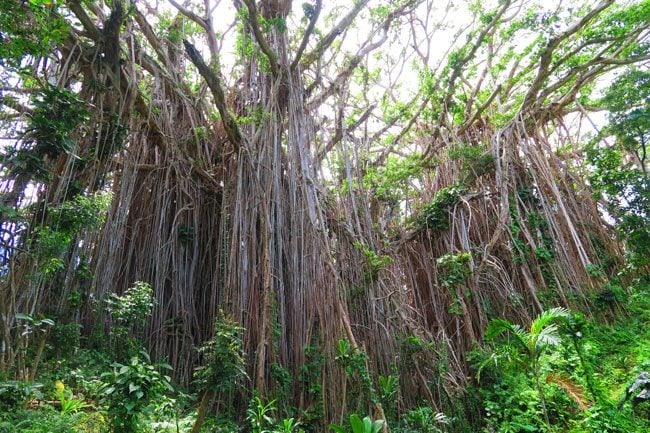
[128, 390]
[435, 215]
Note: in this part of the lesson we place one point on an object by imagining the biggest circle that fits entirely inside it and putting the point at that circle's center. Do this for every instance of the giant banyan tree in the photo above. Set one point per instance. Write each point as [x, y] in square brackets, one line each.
[329, 174]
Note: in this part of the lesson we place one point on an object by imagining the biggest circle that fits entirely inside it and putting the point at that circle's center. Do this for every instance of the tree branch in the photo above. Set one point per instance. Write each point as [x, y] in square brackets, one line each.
[340, 27]
[232, 129]
[547, 55]
[86, 21]
[264, 46]
[191, 15]
[308, 32]
[340, 133]
[12, 103]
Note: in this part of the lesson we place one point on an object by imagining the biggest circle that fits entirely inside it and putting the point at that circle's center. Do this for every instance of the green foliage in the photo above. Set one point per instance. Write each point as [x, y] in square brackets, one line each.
[628, 103]
[310, 377]
[57, 112]
[289, 425]
[65, 339]
[186, 234]
[15, 393]
[80, 371]
[621, 350]
[259, 416]
[620, 168]
[542, 335]
[129, 314]
[376, 262]
[82, 212]
[393, 181]
[223, 363]
[543, 255]
[32, 330]
[512, 404]
[532, 344]
[475, 160]
[49, 420]
[455, 269]
[609, 295]
[388, 394]
[50, 243]
[69, 404]
[435, 215]
[609, 420]
[410, 348]
[358, 425]
[29, 29]
[602, 358]
[255, 116]
[131, 310]
[355, 364]
[425, 420]
[31, 324]
[595, 271]
[127, 391]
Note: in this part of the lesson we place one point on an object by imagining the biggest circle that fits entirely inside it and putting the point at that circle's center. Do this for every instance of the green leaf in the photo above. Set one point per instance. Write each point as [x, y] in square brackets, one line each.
[367, 425]
[357, 424]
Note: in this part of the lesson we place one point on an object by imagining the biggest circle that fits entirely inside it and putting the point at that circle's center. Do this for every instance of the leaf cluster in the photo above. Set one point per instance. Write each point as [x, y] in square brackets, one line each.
[129, 388]
[131, 310]
[436, 215]
[223, 363]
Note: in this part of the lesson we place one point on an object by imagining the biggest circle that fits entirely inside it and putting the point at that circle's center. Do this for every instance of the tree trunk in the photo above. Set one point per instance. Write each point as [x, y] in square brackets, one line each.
[202, 411]
[38, 355]
[541, 397]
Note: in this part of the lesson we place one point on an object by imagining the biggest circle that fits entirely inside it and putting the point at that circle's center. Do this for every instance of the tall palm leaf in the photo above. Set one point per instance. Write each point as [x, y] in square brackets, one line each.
[542, 334]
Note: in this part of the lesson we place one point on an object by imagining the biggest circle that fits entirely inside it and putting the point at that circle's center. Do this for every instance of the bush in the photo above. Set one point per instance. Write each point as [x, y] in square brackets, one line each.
[15, 393]
[127, 391]
[48, 420]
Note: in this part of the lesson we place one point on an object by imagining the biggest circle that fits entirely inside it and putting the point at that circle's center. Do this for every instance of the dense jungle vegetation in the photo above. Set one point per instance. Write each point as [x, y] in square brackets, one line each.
[369, 216]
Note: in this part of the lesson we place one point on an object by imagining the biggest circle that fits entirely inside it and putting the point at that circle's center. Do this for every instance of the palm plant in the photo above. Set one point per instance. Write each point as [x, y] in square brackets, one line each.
[533, 343]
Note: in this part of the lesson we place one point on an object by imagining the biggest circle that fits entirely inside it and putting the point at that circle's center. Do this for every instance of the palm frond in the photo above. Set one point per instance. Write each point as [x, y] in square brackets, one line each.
[498, 326]
[548, 336]
[574, 390]
[548, 316]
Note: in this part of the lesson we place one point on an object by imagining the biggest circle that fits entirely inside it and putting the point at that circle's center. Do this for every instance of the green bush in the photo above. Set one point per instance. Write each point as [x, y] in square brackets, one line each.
[435, 215]
[15, 393]
[128, 390]
[48, 420]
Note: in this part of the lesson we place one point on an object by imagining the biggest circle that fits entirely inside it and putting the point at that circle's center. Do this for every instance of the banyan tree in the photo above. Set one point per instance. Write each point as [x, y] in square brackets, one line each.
[375, 179]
